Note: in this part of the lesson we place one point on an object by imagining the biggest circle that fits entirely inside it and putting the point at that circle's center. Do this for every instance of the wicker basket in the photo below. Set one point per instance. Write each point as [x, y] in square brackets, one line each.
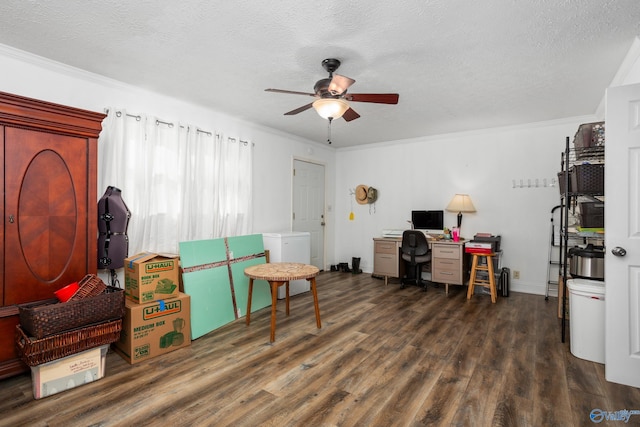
[90, 286]
[37, 351]
[43, 318]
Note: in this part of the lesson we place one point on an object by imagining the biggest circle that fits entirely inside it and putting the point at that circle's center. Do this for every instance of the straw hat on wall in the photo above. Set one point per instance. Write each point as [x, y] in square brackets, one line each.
[362, 194]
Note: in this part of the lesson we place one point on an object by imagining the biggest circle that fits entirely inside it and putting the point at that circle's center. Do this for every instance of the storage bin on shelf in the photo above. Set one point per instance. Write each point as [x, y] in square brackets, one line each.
[40, 319]
[589, 135]
[591, 214]
[587, 178]
[34, 351]
[561, 182]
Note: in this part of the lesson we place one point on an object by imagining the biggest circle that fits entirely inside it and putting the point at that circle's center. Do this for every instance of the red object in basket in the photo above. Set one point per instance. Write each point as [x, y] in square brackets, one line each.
[63, 294]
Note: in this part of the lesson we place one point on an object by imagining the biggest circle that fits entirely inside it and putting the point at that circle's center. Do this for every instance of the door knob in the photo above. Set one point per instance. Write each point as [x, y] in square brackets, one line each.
[618, 251]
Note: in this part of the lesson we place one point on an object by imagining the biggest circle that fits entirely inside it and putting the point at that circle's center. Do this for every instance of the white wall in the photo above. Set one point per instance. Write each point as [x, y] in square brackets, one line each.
[31, 76]
[425, 174]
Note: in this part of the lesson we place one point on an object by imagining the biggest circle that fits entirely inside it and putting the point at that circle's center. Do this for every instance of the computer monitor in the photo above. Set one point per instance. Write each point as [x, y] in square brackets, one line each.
[431, 222]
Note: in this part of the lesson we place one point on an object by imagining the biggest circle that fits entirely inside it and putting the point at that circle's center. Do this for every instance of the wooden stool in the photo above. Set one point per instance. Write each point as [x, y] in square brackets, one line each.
[490, 282]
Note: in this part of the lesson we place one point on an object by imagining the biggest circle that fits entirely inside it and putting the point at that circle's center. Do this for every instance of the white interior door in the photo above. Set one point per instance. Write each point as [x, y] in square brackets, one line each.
[308, 206]
[622, 228]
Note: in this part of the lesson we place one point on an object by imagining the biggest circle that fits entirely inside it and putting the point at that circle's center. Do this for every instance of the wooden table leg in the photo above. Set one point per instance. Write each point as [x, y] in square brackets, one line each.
[274, 301]
[315, 301]
[249, 301]
[287, 297]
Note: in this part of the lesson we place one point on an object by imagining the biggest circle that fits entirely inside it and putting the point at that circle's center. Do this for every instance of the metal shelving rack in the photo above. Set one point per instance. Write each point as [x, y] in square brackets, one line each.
[568, 199]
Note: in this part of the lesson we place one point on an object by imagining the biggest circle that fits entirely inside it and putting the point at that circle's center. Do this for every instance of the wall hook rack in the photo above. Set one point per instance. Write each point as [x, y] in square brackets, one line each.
[534, 183]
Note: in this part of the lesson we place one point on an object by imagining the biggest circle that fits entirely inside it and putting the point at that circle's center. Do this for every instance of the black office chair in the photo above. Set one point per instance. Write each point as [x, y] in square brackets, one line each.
[416, 252]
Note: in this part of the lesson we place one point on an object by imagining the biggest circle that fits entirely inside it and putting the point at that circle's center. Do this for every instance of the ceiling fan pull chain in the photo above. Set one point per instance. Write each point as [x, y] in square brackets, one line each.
[329, 130]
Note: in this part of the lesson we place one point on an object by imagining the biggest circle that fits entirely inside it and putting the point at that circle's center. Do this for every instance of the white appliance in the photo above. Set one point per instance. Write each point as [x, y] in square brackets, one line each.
[292, 246]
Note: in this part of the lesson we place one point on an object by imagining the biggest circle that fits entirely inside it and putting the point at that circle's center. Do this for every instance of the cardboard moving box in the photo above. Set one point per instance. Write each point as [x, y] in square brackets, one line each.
[149, 330]
[69, 372]
[150, 277]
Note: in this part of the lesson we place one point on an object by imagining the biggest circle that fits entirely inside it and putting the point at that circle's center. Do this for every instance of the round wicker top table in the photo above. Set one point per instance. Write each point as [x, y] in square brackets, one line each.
[278, 274]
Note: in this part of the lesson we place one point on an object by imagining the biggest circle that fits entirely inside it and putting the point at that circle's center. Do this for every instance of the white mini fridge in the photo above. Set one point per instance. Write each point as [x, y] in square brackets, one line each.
[291, 246]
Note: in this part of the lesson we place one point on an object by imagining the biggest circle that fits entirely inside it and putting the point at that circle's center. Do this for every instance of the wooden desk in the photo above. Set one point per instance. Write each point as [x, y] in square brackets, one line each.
[278, 274]
[449, 263]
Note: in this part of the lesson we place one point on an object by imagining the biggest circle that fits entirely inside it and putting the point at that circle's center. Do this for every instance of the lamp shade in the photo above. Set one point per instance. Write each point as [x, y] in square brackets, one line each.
[461, 203]
[330, 107]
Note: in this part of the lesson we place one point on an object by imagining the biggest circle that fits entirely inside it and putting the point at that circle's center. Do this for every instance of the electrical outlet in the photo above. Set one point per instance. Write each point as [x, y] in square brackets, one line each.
[516, 274]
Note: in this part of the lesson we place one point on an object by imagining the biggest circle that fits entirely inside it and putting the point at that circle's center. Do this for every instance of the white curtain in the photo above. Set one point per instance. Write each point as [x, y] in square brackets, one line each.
[233, 197]
[179, 182]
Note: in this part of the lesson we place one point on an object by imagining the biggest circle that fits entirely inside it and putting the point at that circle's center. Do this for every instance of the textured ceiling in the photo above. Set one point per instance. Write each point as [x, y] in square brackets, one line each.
[457, 64]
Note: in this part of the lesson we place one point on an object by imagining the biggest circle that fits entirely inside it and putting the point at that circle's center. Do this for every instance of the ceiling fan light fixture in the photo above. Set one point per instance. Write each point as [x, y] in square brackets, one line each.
[330, 107]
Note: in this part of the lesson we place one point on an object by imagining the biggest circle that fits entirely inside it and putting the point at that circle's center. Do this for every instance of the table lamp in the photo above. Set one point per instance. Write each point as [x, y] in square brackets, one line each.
[461, 203]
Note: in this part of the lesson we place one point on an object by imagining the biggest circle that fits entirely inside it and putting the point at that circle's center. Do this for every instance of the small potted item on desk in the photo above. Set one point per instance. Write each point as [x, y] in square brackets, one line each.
[447, 234]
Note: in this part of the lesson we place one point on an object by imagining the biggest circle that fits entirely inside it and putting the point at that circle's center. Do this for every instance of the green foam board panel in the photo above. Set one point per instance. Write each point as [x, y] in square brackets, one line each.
[240, 246]
[211, 302]
[201, 252]
[212, 299]
[261, 289]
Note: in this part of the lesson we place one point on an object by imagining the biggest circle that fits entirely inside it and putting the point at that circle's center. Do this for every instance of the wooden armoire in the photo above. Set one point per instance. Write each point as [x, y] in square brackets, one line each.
[49, 230]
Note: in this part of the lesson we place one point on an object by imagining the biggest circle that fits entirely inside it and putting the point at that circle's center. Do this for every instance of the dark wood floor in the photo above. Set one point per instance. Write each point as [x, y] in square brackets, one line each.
[385, 356]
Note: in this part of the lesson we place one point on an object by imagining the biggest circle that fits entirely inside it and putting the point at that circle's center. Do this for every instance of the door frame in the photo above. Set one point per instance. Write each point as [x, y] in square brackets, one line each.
[324, 204]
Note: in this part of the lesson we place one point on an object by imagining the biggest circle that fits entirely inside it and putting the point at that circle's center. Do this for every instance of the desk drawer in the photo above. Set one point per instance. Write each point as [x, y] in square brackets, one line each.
[451, 277]
[385, 265]
[386, 248]
[446, 271]
[445, 251]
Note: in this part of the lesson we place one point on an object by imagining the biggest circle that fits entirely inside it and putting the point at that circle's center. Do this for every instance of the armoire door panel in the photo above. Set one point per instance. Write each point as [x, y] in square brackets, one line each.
[47, 197]
[47, 216]
[2, 225]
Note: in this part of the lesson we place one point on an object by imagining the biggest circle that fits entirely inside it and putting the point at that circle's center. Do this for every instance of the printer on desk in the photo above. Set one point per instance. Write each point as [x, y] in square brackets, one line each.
[392, 233]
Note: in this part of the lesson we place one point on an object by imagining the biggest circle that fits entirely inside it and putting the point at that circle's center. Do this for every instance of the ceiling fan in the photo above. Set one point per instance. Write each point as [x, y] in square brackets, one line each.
[332, 96]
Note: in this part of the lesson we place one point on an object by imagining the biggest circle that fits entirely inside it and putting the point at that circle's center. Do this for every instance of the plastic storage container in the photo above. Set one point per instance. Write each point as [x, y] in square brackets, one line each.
[587, 178]
[586, 325]
[592, 214]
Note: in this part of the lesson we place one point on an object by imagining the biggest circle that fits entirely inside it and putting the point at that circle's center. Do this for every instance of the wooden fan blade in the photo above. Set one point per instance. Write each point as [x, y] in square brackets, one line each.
[350, 114]
[299, 110]
[339, 84]
[292, 92]
[378, 98]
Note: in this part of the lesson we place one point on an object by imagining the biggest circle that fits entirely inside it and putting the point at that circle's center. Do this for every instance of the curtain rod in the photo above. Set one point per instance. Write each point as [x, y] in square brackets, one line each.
[161, 122]
[243, 142]
[119, 114]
